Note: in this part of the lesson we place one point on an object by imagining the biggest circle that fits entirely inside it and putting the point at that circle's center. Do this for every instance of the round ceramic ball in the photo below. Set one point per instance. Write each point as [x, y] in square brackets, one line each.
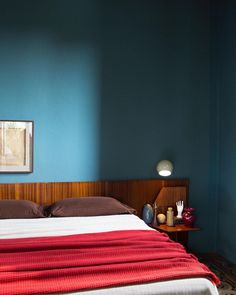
[161, 218]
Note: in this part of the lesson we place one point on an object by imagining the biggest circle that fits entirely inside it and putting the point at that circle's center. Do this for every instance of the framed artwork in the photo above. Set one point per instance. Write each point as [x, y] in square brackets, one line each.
[16, 146]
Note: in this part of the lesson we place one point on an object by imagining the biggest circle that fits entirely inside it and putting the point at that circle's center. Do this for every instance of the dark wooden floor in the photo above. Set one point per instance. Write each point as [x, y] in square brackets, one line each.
[224, 269]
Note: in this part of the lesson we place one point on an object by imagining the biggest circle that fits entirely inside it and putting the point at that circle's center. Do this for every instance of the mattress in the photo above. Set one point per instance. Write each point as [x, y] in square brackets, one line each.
[18, 228]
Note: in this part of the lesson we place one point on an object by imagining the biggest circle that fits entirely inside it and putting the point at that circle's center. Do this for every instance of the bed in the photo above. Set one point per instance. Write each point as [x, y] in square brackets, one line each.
[96, 226]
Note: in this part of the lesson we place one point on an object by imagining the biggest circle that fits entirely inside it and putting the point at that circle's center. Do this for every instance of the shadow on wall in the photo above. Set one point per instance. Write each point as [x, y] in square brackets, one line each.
[150, 93]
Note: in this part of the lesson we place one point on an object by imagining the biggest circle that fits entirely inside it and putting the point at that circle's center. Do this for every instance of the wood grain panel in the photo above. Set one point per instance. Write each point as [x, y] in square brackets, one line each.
[168, 196]
[132, 192]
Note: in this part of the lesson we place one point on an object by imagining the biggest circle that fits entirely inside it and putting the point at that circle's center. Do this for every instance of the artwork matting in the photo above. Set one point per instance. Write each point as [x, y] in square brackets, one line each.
[16, 146]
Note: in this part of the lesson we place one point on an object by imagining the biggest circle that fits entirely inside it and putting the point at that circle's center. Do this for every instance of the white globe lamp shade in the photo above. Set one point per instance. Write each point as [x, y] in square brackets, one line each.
[164, 168]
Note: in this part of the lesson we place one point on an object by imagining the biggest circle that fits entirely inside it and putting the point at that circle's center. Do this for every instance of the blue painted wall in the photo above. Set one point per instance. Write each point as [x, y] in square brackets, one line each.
[50, 73]
[113, 87]
[227, 92]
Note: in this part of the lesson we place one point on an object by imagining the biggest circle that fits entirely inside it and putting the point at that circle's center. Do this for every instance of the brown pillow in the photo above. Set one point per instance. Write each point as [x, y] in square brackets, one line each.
[20, 209]
[89, 206]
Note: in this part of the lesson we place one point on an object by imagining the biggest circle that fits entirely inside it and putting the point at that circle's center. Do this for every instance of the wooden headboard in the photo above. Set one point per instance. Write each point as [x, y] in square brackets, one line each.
[135, 193]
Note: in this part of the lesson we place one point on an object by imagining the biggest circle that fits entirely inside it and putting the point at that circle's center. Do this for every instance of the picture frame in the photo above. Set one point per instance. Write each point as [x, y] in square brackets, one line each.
[16, 146]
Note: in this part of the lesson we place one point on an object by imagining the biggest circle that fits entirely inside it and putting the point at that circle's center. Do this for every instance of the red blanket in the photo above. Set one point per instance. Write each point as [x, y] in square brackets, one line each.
[87, 261]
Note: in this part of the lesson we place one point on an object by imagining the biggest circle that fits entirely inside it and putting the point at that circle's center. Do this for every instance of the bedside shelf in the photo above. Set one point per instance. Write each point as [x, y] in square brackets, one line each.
[176, 228]
[178, 233]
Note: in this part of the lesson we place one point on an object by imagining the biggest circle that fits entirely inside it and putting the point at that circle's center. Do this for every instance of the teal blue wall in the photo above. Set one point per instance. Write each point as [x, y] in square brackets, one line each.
[50, 73]
[227, 92]
[113, 87]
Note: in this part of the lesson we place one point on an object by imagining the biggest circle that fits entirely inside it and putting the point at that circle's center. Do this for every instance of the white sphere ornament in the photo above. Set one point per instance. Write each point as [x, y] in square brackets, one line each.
[161, 218]
[164, 168]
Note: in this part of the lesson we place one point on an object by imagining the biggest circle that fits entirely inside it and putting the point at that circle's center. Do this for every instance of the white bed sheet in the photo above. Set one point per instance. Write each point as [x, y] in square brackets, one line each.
[19, 228]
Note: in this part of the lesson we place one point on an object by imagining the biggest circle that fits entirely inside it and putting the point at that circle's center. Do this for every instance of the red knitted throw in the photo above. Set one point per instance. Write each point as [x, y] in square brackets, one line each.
[88, 261]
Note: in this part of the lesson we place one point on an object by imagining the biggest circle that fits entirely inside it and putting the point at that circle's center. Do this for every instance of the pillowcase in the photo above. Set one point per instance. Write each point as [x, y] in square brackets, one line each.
[20, 209]
[89, 206]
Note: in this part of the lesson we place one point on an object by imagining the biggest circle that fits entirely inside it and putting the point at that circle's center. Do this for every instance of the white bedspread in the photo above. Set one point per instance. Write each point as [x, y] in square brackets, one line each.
[18, 228]
[61, 226]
